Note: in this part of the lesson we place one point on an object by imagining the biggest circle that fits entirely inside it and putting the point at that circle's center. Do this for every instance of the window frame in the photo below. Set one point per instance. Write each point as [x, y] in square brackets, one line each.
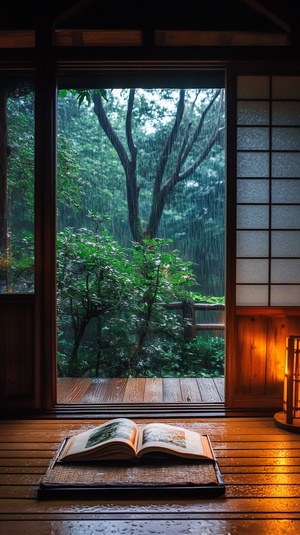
[146, 76]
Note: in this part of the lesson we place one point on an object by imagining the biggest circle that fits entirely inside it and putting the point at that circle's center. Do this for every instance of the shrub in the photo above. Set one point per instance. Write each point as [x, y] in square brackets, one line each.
[204, 357]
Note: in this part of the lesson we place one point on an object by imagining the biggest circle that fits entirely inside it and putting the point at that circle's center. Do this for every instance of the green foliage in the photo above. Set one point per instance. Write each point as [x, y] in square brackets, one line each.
[94, 281]
[113, 295]
[204, 357]
[21, 162]
[82, 94]
[70, 183]
[20, 276]
[163, 273]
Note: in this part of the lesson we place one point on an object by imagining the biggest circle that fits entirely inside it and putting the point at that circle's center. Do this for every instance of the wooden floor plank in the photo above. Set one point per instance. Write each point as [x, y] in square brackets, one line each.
[220, 386]
[64, 388]
[97, 391]
[190, 390]
[260, 464]
[171, 390]
[114, 392]
[208, 391]
[242, 507]
[147, 527]
[22, 470]
[154, 527]
[153, 390]
[134, 391]
[71, 391]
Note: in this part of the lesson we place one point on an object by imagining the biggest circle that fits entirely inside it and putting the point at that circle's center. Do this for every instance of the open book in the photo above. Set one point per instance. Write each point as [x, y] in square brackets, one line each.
[121, 439]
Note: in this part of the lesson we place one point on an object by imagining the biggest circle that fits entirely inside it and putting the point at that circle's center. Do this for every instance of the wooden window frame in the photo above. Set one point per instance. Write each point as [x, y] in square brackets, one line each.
[146, 74]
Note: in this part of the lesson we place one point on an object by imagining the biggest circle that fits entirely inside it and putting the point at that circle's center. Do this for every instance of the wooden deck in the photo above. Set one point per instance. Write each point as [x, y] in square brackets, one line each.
[260, 465]
[142, 390]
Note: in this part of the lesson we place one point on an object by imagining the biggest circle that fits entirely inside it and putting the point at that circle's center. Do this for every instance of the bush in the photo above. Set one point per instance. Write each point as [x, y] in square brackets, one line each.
[109, 318]
[204, 357]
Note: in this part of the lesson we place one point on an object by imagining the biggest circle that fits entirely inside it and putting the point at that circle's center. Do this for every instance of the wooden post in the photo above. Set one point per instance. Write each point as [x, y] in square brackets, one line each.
[188, 314]
[290, 377]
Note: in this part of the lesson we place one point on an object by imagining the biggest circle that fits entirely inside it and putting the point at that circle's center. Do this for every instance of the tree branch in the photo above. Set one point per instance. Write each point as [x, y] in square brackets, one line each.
[169, 144]
[128, 165]
[183, 152]
[109, 131]
[164, 192]
[130, 142]
[200, 126]
[156, 194]
[210, 143]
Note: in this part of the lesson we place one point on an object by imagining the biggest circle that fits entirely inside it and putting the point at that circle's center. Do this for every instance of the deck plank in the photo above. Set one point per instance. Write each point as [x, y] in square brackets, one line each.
[134, 391]
[114, 391]
[171, 390]
[97, 391]
[220, 386]
[208, 391]
[71, 390]
[190, 390]
[151, 390]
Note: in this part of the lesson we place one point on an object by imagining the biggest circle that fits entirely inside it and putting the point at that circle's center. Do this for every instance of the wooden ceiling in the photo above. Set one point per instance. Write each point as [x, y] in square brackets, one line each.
[210, 23]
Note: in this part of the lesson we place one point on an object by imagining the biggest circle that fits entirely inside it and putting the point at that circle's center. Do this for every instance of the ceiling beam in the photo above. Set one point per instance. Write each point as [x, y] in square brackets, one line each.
[76, 8]
[220, 38]
[257, 6]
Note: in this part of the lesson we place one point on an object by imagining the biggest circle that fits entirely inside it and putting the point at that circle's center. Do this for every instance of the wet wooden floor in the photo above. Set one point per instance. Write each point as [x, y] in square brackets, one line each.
[140, 390]
[260, 465]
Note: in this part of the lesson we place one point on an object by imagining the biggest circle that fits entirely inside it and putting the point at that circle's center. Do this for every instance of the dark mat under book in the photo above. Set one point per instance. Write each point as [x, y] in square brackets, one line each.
[159, 478]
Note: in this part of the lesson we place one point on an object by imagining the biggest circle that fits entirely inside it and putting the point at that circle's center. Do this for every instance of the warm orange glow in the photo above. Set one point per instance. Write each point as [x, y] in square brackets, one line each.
[292, 369]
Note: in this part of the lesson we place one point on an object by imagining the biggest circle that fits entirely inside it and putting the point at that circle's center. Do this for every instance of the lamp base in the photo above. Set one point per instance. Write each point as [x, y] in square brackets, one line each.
[280, 421]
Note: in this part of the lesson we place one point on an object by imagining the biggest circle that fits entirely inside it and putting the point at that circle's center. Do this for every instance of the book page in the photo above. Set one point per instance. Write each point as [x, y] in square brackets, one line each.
[105, 437]
[175, 440]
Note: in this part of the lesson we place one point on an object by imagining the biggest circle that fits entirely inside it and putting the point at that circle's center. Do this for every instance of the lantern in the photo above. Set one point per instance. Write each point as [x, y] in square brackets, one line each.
[289, 418]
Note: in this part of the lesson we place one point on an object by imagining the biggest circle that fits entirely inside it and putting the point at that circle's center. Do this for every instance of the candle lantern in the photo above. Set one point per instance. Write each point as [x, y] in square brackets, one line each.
[289, 418]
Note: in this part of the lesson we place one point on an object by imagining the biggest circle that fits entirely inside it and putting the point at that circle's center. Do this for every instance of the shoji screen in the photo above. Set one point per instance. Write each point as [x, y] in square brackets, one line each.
[268, 191]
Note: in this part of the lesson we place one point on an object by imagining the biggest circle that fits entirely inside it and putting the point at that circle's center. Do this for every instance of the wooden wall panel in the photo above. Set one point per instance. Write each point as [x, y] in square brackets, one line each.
[256, 378]
[251, 355]
[17, 369]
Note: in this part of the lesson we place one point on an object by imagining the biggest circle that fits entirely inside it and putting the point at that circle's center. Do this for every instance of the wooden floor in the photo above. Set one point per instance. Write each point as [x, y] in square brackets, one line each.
[260, 465]
[142, 390]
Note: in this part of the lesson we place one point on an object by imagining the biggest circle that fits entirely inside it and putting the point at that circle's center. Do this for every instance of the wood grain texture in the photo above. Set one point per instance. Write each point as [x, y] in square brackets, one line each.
[260, 464]
[153, 392]
[141, 390]
[256, 370]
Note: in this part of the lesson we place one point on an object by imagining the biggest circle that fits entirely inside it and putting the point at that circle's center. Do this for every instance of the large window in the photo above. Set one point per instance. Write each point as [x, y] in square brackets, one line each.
[141, 201]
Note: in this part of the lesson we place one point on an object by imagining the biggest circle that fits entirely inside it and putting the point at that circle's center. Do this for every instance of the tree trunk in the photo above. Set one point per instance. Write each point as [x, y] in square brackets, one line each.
[188, 314]
[79, 332]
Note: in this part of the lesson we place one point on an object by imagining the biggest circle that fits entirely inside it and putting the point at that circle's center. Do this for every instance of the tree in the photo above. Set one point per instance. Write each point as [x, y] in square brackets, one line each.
[99, 285]
[191, 127]
[94, 282]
